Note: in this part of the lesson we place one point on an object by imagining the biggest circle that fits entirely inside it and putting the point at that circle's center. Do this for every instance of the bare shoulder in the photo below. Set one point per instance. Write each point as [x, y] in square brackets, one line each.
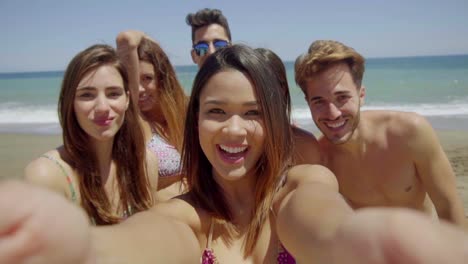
[302, 134]
[182, 209]
[411, 131]
[307, 149]
[45, 172]
[302, 175]
[398, 123]
[419, 136]
[410, 121]
[306, 173]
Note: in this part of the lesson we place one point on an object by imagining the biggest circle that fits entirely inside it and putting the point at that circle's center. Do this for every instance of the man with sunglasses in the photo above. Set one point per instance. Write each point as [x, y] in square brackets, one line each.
[210, 32]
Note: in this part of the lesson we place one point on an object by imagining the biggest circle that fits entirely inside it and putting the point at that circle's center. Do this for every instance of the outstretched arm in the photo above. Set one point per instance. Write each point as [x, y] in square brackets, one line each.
[40, 226]
[143, 238]
[316, 225]
[382, 235]
[146, 237]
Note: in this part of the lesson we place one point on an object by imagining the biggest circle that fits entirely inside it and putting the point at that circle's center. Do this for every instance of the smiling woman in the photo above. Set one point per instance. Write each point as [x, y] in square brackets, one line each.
[161, 101]
[101, 102]
[102, 165]
[230, 125]
[236, 123]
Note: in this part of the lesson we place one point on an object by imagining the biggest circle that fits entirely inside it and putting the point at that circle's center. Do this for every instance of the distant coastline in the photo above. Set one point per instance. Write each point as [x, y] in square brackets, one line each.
[190, 67]
[31, 74]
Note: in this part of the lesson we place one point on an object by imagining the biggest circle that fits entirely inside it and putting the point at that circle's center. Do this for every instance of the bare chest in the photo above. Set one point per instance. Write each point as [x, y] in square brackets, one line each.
[378, 179]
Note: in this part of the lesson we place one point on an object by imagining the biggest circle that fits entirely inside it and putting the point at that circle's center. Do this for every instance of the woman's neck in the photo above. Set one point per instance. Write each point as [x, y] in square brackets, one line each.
[154, 116]
[240, 197]
[103, 151]
[156, 124]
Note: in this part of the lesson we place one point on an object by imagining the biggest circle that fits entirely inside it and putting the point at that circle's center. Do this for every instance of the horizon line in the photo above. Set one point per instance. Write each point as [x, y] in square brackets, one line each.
[284, 61]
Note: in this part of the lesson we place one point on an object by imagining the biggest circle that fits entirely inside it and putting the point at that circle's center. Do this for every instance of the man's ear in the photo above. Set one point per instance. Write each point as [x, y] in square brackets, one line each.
[362, 95]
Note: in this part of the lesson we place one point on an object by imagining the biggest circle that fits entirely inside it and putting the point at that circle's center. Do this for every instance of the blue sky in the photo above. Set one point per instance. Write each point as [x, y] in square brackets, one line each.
[45, 35]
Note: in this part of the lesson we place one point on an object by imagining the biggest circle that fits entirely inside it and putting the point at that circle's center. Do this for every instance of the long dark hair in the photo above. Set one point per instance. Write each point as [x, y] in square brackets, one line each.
[279, 69]
[204, 190]
[128, 150]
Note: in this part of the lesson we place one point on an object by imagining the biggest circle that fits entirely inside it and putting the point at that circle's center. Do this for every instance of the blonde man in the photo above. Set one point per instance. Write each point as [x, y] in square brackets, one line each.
[380, 158]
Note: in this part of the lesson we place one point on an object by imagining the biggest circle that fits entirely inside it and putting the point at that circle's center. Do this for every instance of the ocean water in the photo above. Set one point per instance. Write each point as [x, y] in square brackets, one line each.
[436, 87]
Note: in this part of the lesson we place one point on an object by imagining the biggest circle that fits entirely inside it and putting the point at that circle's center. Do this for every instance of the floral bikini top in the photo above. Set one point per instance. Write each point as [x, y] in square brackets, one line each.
[208, 256]
[73, 192]
[168, 156]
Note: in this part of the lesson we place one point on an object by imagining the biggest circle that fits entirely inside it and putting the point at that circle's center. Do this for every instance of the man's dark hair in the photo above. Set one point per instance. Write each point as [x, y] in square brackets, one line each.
[206, 17]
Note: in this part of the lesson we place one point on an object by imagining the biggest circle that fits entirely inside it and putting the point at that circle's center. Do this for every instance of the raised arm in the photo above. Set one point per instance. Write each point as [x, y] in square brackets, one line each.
[435, 171]
[127, 47]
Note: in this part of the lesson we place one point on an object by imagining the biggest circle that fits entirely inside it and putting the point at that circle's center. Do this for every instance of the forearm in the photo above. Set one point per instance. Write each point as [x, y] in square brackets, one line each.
[127, 48]
[145, 241]
[317, 226]
[382, 235]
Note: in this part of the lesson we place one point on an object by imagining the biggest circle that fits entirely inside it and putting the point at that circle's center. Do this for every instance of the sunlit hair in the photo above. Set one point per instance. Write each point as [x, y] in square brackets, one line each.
[128, 150]
[323, 54]
[172, 101]
[278, 68]
[206, 17]
[277, 152]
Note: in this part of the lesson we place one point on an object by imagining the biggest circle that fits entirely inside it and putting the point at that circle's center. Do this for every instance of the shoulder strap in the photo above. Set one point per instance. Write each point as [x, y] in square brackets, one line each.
[210, 234]
[273, 212]
[69, 180]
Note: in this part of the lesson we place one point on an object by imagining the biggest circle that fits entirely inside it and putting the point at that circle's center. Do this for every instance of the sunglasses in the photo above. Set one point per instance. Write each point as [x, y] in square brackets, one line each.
[201, 48]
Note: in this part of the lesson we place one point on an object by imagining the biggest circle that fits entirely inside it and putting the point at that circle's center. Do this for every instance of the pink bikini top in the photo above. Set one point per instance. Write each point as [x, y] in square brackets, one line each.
[208, 256]
[168, 156]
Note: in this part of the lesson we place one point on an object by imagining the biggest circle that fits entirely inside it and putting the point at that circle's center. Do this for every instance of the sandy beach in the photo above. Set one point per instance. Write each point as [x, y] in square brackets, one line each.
[16, 150]
[455, 144]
